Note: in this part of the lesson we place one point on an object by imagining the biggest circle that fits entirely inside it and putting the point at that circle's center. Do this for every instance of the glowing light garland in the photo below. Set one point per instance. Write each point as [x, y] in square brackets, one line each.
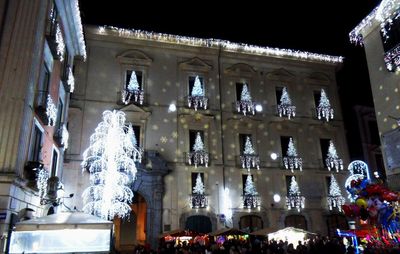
[251, 199]
[60, 43]
[245, 105]
[51, 111]
[285, 108]
[71, 80]
[133, 91]
[324, 109]
[197, 98]
[291, 160]
[249, 159]
[41, 182]
[335, 198]
[226, 45]
[383, 13]
[78, 23]
[64, 137]
[294, 198]
[198, 199]
[198, 156]
[333, 160]
[110, 159]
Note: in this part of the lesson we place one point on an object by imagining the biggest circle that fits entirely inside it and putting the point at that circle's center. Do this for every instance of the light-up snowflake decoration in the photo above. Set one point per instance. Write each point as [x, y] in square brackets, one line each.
[245, 105]
[249, 159]
[110, 159]
[358, 171]
[332, 160]
[133, 93]
[294, 199]
[51, 111]
[197, 98]
[285, 107]
[71, 80]
[41, 183]
[291, 160]
[60, 43]
[324, 109]
[335, 198]
[251, 199]
[198, 199]
[198, 156]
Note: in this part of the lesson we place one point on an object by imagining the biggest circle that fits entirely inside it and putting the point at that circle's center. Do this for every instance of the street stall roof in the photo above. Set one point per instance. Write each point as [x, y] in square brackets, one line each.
[228, 231]
[178, 233]
[65, 220]
[290, 234]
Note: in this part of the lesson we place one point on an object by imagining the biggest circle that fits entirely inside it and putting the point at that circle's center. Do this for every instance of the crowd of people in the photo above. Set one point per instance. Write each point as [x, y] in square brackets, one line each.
[316, 245]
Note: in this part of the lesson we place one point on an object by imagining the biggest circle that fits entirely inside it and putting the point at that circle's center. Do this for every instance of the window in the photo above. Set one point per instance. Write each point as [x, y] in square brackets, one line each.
[199, 223]
[328, 183]
[288, 181]
[60, 113]
[317, 97]
[52, 20]
[278, 93]
[393, 35]
[284, 144]
[334, 222]
[191, 83]
[65, 66]
[244, 178]
[36, 143]
[136, 129]
[297, 221]
[43, 87]
[324, 143]
[192, 138]
[250, 223]
[54, 163]
[242, 141]
[194, 177]
[139, 77]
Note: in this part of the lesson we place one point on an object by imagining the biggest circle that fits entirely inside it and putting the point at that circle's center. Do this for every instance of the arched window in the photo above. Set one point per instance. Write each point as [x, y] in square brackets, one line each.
[296, 221]
[336, 221]
[199, 223]
[250, 223]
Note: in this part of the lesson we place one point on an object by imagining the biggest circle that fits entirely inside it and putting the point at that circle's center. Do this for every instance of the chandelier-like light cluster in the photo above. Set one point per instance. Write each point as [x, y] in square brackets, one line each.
[251, 199]
[78, 23]
[227, 45]
[249, 159]
[110, 159]
[335, 198]
[198, 199]
[197, 98]
[291, 160]
[51, 111]
[133, 91]
[332, 160]
[71, 80]
[285, 107]
[41, 183]
[60, 43]
[294, 200]
[198, 156]
[324, 109]
[245, 105]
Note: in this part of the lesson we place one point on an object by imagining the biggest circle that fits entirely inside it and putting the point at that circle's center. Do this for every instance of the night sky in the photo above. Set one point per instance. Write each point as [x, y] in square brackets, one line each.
[315, 26]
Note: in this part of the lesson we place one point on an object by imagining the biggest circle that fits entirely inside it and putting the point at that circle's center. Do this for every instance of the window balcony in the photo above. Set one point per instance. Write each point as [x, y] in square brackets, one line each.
[68, 79]
[197, 102]
[61, 136]
[198, 158]
[246, 107]
[295, 201]
[135, 96]
[392, 59]
[250, 161]
[293, 162]
[198, 201]
[286, 110]
[31, 170]
[251, 201]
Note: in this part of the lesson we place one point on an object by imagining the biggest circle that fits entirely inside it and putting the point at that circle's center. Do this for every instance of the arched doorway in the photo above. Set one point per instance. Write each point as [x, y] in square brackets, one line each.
[132, 231]
[199, 223]
[296, 221]
[334, 222]
[250, 223]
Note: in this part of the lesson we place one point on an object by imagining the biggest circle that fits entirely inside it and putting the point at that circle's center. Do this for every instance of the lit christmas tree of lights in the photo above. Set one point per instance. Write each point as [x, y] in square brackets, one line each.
[324, 109]
[51, 111]
[250, 188]
[110, 159]
[197, 98]
[333, 160]
[198, 155]
[294, 198]
[133, 82]
[335, 198]
[199, 187]
[133, 89]
[285, 107]
[291, 160]
[249, 158]
[245, 104]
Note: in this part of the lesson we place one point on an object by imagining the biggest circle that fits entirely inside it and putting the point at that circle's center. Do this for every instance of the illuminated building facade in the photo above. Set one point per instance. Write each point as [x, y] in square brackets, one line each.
[206, 114]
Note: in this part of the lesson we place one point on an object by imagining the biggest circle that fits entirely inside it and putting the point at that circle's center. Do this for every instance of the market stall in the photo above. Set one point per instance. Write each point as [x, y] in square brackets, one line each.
[67, 232]
[291, 234]
[224, 234]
